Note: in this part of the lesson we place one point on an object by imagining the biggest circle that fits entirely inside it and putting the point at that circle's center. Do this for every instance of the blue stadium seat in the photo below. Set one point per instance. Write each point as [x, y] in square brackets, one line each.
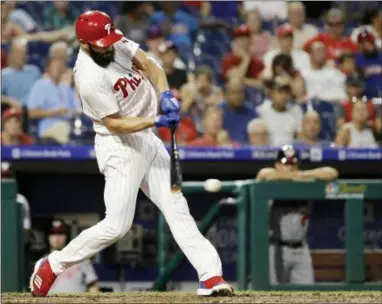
[37, 60]
[212, 61]
[328, 114]
[109, 7]
[214, 41]
[40, 48]
[34, 9]
[83, 138]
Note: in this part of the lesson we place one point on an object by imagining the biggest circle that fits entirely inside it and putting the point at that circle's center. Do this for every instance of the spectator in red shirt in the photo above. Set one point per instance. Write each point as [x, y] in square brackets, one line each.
[12, 130]
[214, 134]
[354, 90]
[334, 40]
[185, 132]
[238, 64]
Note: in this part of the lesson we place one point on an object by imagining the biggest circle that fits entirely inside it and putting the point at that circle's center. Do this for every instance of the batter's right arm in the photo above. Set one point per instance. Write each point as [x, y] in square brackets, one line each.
[117, 124]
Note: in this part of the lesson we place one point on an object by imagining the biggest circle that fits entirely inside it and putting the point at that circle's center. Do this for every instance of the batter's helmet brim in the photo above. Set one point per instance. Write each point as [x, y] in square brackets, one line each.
[109, 40]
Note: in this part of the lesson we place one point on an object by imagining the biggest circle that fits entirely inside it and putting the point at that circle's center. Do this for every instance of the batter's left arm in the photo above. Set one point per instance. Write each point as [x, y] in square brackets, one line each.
[169, 104]
[155, 71]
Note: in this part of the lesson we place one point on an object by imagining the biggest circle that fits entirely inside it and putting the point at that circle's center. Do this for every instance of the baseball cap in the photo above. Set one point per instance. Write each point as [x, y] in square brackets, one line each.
[166, 46]
[287, 154]
[365, 36]
[242, 30]
[58, 226]
[284, 30]
[153, 32]
[11, 112]
[355, 81]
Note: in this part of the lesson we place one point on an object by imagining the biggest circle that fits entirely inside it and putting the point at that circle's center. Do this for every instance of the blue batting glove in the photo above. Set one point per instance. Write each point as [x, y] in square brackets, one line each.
[167, 120]
[169, 104]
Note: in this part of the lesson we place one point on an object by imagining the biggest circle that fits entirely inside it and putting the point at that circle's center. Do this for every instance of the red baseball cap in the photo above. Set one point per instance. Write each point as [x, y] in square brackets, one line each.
[365, 36]
[284, 30]
[242, 30]
[58, 226]
[11, 112]
[97, 28]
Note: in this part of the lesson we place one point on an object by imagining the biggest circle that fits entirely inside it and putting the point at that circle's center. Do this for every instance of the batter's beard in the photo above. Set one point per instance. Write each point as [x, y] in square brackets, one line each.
[102, 59]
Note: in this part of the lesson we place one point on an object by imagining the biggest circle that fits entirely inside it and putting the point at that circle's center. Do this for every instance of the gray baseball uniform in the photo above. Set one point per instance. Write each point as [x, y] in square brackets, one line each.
[289, 256]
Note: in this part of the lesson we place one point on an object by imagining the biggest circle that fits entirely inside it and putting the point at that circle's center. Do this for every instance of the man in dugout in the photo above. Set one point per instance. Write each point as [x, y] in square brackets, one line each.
[289, 255]
[78, 278]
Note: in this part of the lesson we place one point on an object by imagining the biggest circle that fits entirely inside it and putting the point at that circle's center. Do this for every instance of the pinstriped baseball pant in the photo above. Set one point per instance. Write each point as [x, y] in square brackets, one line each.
[130, 162]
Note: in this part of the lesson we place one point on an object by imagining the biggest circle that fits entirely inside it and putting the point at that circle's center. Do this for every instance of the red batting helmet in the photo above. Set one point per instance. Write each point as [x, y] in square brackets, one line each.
[97, 28]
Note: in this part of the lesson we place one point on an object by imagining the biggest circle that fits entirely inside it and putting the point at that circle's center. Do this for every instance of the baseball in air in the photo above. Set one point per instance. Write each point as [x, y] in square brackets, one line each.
[212, 185]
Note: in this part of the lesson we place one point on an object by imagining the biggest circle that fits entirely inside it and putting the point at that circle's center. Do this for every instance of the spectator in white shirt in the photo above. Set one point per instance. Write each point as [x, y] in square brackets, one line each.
[285, 38]
[302, 32]
[356, 133]
[282, 120]
[269, 10]
[323, 81]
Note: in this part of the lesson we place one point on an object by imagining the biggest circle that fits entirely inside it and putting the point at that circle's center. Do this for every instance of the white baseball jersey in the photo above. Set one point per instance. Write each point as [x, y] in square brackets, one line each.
[75, 279]
[119, 88]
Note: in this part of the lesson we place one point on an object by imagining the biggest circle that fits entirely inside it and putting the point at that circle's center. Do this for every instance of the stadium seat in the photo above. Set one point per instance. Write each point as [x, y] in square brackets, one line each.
[40, 48]
[37, 60]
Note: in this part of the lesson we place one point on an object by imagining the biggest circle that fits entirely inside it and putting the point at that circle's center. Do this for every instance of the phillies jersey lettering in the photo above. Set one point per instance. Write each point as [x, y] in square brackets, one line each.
[122, 83]
[119, 88]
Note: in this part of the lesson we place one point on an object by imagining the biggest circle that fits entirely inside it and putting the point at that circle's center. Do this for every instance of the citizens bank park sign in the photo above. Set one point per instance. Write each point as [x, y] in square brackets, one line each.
[341, 190]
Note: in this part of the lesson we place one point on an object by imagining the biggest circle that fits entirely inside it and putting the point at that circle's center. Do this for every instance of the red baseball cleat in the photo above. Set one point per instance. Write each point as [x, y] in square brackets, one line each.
[42, 278]
[215, 286]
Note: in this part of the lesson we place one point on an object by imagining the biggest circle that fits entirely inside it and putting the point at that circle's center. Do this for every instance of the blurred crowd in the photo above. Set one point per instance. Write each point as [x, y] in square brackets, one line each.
[246, 72]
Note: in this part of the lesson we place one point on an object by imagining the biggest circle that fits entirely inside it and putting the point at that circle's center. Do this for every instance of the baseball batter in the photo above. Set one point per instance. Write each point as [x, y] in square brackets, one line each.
[122, 102]
[289, 256]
